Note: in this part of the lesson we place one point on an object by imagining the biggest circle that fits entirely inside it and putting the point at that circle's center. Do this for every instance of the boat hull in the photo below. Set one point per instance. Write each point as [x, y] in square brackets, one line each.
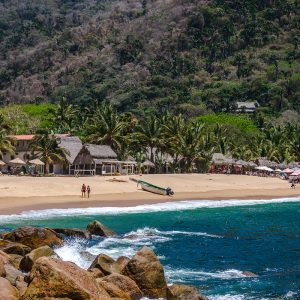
[154, 190]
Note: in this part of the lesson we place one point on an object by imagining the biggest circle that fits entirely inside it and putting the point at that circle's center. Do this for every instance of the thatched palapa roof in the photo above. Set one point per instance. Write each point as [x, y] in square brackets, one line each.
[73, 145]
[101, 151]
[36, 162]
[17, 161]
[221, 159]
[148, 163]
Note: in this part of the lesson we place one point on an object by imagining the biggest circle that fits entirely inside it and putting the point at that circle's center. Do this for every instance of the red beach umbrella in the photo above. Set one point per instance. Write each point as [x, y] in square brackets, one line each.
[288, 170]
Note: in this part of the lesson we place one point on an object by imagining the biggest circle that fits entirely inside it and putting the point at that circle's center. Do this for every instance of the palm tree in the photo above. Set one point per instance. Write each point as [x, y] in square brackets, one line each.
[47, 148]
[6, 142]
[65, 116]
[108, 127]
[189, 144]
[149, 134]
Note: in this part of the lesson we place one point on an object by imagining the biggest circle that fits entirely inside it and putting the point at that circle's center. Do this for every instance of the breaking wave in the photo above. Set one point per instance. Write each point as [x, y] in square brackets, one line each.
[168, 206]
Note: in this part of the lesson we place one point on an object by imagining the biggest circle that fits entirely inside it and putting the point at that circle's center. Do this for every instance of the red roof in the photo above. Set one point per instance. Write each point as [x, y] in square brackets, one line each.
[26, 137]
[29, 137]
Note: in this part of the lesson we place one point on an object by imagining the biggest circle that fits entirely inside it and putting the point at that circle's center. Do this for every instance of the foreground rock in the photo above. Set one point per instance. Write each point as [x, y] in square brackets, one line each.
[28, 260]
[184, 292]
[16, 259]
[73, 232]
[34, 237]
[125, 284]
[113, 290]
[122, 261]
[51, 277]
[7, 291]
[2, 269]
[105, 264]
[148, 273]
[97, 228]
[14, 248]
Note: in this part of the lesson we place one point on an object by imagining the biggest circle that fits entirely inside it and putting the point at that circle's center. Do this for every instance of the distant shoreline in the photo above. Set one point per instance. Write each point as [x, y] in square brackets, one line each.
[19, 194]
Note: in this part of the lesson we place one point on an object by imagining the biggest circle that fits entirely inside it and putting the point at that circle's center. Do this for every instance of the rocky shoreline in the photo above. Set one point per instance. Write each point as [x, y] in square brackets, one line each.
[30, 269]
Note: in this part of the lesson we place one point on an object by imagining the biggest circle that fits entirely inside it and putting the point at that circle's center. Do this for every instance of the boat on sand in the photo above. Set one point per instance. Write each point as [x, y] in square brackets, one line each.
[146, 186]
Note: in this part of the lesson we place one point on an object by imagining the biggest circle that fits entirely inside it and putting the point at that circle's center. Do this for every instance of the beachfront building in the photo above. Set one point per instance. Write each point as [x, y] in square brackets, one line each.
[246, 107]
[21, 144]
[91, 159]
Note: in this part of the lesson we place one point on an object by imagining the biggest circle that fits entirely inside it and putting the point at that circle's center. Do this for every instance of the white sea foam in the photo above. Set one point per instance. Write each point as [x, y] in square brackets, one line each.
[229, 297]
[154, 232]
[168, 206]
[72, 251]
[290, 294]
[184, 275]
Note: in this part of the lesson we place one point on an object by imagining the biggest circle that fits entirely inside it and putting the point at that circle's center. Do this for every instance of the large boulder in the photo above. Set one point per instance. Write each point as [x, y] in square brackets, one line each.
[113, 290]
[96, 273]
[105, 264]
[73, 232]
[122, 261]
[184, 292]
[125, 284]
[2, 269]
[29, 259]
[7, 291]
[14, 248]
[51, 277]
[148, 273]
[12, 274]
[21, 285]
[5, 258]
[97, 228]
[16, 259]
[34, 237]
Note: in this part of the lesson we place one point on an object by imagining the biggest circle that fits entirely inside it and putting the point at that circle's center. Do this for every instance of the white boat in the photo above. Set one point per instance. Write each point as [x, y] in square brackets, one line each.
[146, 186]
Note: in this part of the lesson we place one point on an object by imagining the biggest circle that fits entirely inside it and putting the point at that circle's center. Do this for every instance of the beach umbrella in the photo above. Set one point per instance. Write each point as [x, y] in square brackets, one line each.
[17, 161]
[252, 164]
[148, 163]
[36, 162]
[268, 169]
[2, 163]
[288, 170]
[260, 168]
[296, 173]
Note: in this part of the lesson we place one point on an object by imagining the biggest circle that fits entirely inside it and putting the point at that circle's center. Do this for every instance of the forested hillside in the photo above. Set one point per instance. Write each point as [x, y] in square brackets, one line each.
[190, 57]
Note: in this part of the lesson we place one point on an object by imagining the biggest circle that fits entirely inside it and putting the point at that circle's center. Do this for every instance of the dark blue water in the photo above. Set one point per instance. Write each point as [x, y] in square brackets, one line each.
[206, 247]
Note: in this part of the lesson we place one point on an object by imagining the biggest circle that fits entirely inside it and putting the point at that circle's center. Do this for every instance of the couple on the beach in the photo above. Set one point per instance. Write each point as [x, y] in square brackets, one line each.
[85, 190]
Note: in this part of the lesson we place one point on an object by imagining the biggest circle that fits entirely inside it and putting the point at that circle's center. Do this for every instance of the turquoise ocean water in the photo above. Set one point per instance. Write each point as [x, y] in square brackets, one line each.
[204, 243]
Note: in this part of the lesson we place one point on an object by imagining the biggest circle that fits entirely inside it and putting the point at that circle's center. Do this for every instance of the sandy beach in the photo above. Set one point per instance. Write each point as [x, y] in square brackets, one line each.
[18, 194]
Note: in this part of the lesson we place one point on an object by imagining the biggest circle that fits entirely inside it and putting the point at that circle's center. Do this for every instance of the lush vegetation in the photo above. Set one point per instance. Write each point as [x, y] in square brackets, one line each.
[189, 141]
[159, 75]
[189, 57]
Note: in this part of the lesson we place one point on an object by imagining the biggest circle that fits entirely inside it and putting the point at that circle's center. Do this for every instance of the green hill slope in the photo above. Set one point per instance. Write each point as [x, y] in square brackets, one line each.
[193, 57]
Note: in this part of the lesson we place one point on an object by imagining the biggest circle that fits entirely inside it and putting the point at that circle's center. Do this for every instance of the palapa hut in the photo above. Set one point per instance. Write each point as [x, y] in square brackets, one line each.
[104, 159]
[221, 162]
[73, 146]
[38, 165]
[148, 165]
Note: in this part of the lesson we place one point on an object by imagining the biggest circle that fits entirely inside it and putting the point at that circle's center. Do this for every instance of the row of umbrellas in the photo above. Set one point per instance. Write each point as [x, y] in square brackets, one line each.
[19, 162]
[291, 172]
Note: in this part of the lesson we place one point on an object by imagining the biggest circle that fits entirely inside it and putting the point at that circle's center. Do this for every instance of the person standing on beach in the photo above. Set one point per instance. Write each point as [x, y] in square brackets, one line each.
[83, 190]
[88, 189]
